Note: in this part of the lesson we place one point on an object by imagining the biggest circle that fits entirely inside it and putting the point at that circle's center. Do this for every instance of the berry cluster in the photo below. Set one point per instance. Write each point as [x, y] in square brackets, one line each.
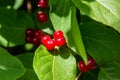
[42, 17]
[33, 36]
[58, 40]
[90, 66]
[37, 37]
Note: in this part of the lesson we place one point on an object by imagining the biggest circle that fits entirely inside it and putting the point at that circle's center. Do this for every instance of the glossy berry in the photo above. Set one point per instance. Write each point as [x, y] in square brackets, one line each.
[91, 64]
[82, 67]
[60, 41]
[42, 17]
[29, 32]
[38, 34]
[43, 4]
[58, 34]
[45, 39]
[36, 41]
[50, 44]
[28, 39]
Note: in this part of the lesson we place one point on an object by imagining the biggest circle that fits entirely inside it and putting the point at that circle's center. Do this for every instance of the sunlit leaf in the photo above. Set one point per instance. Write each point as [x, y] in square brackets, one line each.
[54, 65]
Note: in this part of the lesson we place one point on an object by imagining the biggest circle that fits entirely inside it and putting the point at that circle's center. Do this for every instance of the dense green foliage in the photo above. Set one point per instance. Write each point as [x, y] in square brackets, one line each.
[91, 29]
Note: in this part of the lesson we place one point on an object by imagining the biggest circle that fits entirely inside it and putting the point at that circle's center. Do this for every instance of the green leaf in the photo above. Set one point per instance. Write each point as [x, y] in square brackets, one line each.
[27, 60]
[85, 19]
[6, 3]
[17, 4]
[13, 26]
[63, 17]
[10, 67]
[54, 65]
[110, 71]
[104, 11]
[101, 42]
[29, 75]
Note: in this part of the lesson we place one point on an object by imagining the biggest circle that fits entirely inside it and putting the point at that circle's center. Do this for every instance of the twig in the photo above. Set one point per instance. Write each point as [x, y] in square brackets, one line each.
[78, 76]
[29, 6]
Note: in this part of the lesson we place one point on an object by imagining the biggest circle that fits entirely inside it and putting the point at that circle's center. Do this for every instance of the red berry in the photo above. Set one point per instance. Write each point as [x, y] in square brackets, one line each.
[58, 34]
[45, 39]
[91, 64]
[43, 4]
[42, 17]
[36, 41]
[38, 34]
[29, 39]
[29, 32]
[60, 41]
[82, 67]
[50, 44]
